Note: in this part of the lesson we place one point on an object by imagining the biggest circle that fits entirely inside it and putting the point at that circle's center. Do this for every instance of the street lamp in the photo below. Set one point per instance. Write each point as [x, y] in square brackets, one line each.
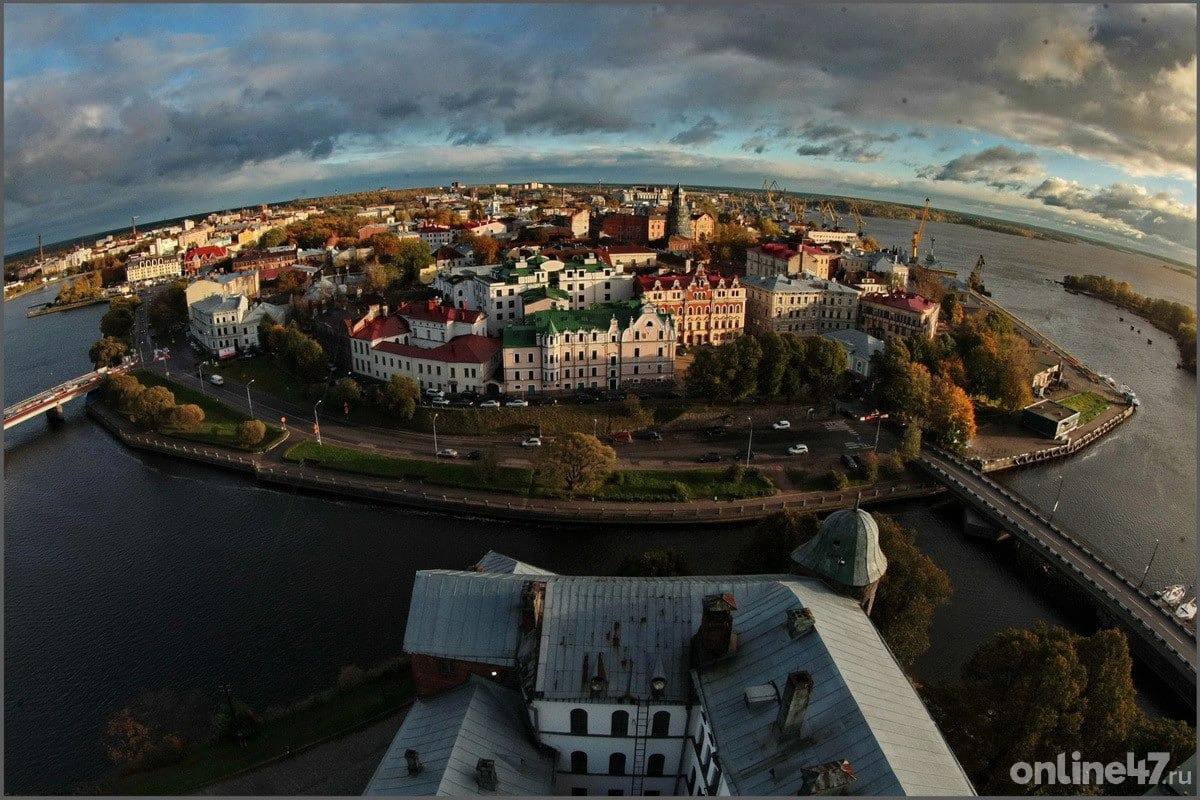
[595, 426]
[749, 439]
[435, 447]
[250, 402]
[1146, 571]
[316, 422]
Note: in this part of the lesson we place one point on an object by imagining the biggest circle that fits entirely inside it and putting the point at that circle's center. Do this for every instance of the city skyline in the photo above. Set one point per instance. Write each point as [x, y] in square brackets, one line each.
[1079, 118]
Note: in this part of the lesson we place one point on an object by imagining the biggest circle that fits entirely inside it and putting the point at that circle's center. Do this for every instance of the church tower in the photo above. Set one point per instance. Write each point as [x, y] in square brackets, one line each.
[679, 215]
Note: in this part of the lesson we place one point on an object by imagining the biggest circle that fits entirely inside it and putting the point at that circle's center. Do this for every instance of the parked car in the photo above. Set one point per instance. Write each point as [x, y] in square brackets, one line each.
[543, 400]
[432, 392]
[532, 441]
[650, 435]
[461, 402]
[439, 401]
[517, 403]
[850, 461]
[781, 425]
[798, 449]
[447, 452]
[474, 455]
[216, 380]
[710, 458]
[490, 404]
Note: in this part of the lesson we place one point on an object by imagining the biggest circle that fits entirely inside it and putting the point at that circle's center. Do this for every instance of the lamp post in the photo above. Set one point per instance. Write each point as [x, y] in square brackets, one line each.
[250, 402]
[749, 439]
[316, 422]
[435, 447]
[200, 373]
[1146, 571]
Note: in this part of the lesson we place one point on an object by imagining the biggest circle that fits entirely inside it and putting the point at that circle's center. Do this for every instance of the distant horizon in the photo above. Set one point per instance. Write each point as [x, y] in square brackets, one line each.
[1078, 118]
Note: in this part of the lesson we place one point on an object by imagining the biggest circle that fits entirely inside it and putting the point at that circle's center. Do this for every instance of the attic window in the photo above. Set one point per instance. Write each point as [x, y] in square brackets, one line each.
[760, 695]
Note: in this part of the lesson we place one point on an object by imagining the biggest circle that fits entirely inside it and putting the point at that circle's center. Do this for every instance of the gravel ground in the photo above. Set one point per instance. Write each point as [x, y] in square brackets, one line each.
[340, 767]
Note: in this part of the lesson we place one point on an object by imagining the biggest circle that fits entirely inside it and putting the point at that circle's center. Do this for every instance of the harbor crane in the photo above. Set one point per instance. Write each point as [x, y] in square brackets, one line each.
[769, 188]
[857, 218]
[918, 233]
[827, 211]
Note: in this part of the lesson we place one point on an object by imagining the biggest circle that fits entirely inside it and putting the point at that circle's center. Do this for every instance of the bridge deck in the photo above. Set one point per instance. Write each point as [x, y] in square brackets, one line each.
[67, 390]
[1134, 609]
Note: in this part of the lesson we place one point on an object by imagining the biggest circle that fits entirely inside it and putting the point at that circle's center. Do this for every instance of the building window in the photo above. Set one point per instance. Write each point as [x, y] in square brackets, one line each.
[620, 723]
[656, 764]
[660, 725]
[579, 721]
[579, 762]
[616, 764]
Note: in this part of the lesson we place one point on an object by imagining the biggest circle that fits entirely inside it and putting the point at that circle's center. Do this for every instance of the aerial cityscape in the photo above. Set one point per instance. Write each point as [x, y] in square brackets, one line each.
[600, 400]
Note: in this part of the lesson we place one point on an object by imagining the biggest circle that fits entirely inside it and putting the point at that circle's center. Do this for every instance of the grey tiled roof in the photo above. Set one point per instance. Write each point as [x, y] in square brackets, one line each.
[498, 562]
[472, 616]
[452, 732]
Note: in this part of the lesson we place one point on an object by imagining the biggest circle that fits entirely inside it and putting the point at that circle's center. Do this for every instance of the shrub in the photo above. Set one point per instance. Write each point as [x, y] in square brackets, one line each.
[680, 491]
[892, 464]
[251, 432]
[836, 480]
[870, 466]
[736, 472]
[186, 417]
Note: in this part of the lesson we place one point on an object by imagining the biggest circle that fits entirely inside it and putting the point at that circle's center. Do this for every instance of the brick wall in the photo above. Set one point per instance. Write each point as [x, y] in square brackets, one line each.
[432, 675]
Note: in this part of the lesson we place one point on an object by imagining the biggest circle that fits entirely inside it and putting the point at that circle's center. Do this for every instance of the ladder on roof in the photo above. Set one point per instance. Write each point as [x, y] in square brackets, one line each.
[640, 734]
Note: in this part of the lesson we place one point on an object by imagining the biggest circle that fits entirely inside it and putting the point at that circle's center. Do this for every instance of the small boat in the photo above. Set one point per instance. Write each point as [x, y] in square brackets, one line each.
[1171, 595]
[1149, 341]
[1187, 611]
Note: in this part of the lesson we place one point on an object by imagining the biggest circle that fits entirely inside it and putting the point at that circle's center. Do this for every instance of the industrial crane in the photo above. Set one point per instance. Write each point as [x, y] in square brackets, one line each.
[827, 211]
[769, 188]
[857, 218]
[918, 233]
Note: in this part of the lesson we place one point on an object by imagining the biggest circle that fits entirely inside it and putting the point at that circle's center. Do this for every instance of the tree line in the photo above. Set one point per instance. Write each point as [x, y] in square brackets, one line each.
[769, 366]
[1173, 318]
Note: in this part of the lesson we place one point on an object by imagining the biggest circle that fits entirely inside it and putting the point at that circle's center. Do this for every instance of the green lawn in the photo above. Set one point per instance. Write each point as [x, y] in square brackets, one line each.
[267, 377]
[1089, 405]
[334, 712]
[512, 480]
[220, 421]
[675, 485]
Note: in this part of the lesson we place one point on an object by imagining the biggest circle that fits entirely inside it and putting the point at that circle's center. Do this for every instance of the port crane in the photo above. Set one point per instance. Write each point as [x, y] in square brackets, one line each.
[827, 211]
[857, 218]
[918, 233]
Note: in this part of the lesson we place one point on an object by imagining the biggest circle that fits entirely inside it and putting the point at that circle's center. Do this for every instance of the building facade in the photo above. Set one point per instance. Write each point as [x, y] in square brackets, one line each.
[607, 346]
[679, 215]
[772, 259]
[708, 308]
[225, 284]
[802, 305]
[898, 314]
[150, 268]
[817, 262]
[225, 326]
[634, 228]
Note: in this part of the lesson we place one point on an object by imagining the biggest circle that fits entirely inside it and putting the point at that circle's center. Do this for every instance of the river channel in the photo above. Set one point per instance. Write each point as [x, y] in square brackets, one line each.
[126, 572]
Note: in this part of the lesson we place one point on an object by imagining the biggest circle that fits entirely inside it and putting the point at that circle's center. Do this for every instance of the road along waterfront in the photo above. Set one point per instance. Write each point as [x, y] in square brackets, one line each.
[128, 571]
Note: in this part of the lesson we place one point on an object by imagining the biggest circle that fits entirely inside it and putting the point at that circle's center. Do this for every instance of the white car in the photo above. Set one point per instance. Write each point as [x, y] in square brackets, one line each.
[216, 380]
[532, 441]
[518, 403]
[439, 401]
[781, 425]
[490, 404]
[798, 449]
[432, 392]
[447, 452]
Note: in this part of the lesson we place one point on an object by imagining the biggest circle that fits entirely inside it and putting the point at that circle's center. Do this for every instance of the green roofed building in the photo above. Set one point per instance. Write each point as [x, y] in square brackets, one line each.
[846, 554]
[603, 346]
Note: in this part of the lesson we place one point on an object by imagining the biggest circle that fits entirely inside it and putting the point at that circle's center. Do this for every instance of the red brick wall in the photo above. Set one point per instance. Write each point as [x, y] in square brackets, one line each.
[432, 675]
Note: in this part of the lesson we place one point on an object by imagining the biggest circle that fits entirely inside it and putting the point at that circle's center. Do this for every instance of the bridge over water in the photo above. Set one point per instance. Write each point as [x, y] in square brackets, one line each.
[1168, 644]
[51, 400]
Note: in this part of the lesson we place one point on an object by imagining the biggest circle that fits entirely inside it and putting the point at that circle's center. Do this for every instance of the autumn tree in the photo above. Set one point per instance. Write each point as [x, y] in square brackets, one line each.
[910, 591]
[398, 396]
[107, 352]
[187, 417]
[950, 415]
[273, 237]
[384, 246]
[576, 463]
[152, 408]
[485, 248]
[250, 432]
[347, 391]
[120, 391]
[659, 562]
[1031, 694]
[155, 729]
[910, 442]
[774, 541]
[928, 284]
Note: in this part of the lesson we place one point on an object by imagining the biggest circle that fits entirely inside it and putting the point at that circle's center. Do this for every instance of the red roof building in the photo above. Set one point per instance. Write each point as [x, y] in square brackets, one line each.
[709, 308]
[898, 314]
[196, 258]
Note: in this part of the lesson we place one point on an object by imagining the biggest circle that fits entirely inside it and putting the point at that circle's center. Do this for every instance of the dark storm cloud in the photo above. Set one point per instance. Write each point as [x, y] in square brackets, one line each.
[705, 131]
[1001, 167]
[755, 144]
[834, 140]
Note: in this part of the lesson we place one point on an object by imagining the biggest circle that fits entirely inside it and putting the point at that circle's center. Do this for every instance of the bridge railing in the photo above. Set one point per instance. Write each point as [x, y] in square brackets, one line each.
[47, 396]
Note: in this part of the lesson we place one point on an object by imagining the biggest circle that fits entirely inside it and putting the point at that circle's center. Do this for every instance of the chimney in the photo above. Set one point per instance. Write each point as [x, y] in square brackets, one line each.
[830, 778]
[485, 775]
[599, 682]
[533, 595]
[414, 761]
[715, 638]
[796, 694]
[658, 679]
[800, 621]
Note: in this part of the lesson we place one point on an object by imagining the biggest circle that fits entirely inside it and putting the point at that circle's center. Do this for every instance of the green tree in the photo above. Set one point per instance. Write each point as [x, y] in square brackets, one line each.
[910, 444]
[488, 468]
[152, 408]
[399, 396]
[910, 591]
[823, 368]
[412, 256]
[725, 373]
[274, 237]
[659, 562]
[107, 352]
[347, 391]
[188, 417]
[772, 363]
[168, 310]
[117, 322]
[250, 432]
[775, 539]
[576, 463]
[768, 227]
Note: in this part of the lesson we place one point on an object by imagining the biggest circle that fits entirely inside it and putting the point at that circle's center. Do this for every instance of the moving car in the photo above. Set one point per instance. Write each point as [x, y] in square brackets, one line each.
[781, 425]
[850, 461]
[216, 380]
[650, 436]
[532, 441]
[447, 452]
[710, 458]
[490, 404]
[517, 403]
[798, 449]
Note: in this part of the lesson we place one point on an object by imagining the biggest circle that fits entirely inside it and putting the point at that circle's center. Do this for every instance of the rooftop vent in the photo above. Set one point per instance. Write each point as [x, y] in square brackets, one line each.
[761, 695]
[658, 680]
[830, 778]
[485, 775]
[800, 621]
[413, 758]
[796, 694]
[599, 681]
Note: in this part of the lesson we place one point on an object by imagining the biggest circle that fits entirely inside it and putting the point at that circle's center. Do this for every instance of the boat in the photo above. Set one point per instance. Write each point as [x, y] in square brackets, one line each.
[1149, 341]
[1187, 611]
[1171, 595]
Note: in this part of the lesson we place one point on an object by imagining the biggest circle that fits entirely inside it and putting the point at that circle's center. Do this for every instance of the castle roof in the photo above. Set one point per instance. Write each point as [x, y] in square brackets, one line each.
[846, 550]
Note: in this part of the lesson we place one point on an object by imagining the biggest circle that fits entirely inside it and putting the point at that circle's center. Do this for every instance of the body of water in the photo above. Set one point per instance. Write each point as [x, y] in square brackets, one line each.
[126, 572]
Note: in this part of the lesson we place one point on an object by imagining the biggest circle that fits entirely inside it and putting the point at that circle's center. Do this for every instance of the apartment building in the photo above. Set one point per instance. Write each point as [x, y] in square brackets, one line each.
[802, 305]
[817, 261]
[588, 280]
[709, 308]
[225, 326]
[606, 346]
[627, 257]
[634, 228]
[898, 314]
[149, 268]
[771, 259]
[227, 284]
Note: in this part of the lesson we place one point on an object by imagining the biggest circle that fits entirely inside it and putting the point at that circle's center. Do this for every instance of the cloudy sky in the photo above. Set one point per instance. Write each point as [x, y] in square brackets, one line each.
[1077, 117]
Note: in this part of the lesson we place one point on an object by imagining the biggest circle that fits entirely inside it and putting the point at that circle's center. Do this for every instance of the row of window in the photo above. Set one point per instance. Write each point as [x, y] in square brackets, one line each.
[424, 369]
[655, 764]
[660, 723]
